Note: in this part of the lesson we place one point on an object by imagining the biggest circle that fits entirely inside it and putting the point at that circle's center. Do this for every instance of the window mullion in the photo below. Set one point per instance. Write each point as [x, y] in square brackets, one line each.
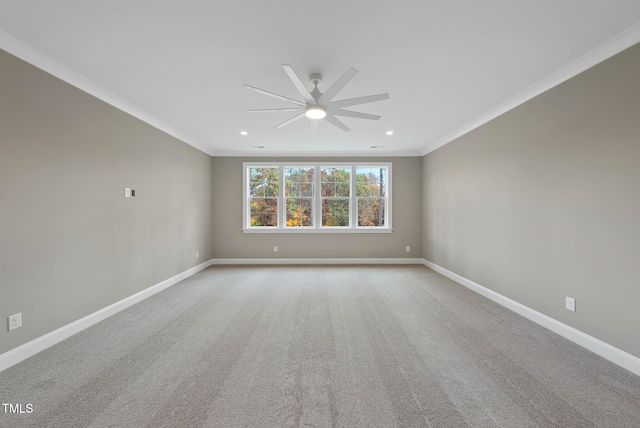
[317, 198]
[246, 215]
[353, 204]
[282, 213]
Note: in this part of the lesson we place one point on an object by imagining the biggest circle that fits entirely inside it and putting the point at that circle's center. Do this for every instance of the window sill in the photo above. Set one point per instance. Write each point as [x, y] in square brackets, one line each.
[311, 230]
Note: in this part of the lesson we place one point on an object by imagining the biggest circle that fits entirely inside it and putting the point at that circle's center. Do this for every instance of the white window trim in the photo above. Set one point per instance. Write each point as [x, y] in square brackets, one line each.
[316, 203]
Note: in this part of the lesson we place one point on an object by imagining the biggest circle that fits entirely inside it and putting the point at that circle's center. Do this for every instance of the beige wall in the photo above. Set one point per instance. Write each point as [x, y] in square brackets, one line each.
[231, 242]
[70, 243]
[544, 202]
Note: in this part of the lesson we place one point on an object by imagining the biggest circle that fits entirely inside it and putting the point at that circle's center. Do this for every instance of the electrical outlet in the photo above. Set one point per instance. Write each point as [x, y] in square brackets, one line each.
[15, 321]
[408, 249]
[570, 304]
[197, 254]
[275, 248]
[127, 192]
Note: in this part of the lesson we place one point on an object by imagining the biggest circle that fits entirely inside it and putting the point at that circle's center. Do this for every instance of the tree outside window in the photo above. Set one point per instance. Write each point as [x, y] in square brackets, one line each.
[371, 195]
[336, 188]
[299, 193]
[263, 194]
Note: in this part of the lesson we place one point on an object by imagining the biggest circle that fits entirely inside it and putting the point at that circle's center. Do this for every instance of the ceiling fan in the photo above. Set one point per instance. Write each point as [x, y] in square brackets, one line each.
[318, 105]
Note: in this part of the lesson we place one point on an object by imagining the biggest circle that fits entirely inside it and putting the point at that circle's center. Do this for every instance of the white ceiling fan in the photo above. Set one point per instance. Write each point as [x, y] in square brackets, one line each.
[318, 105]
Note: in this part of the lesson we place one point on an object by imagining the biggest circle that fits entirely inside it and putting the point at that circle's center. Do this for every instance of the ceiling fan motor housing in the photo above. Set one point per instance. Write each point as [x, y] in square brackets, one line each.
[315, 78]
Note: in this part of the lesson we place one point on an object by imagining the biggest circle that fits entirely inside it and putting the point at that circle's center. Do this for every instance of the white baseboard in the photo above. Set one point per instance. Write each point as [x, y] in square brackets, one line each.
[611, 353]
[295, 261]
[25, 351]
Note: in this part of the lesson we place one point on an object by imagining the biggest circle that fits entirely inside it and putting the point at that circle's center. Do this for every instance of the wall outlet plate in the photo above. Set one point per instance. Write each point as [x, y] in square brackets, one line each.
[127, 192]
[15, 321]
[570, 304]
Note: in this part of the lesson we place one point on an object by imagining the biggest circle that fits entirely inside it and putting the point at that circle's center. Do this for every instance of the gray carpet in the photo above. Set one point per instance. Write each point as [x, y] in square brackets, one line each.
[319, 346]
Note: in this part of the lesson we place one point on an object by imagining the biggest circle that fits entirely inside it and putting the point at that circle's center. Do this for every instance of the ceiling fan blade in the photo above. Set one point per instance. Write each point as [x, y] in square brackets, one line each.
[349, 113]
[262, 110]
[314, 126]
[293, 119]
[359, 100]
[335, 121]
[337, 86]
[280, 97]
[298, 84]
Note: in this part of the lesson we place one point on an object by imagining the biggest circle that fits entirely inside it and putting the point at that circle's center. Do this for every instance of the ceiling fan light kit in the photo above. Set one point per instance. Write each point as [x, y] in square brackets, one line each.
[318, 105]
[315, 112]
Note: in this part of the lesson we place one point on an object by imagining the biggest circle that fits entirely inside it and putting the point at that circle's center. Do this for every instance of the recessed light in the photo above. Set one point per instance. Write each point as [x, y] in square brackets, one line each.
[389, 132]
[243, 133]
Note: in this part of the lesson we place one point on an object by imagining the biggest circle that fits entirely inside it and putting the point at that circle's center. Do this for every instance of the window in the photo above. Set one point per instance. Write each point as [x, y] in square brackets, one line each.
[370, 188]
[263, 196]
[325, 197]
[336, 188]
[299, 191]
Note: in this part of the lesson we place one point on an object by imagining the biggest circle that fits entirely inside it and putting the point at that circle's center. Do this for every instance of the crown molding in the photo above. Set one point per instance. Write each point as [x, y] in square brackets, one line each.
[36, 58]
[313, 154]
[622, 41]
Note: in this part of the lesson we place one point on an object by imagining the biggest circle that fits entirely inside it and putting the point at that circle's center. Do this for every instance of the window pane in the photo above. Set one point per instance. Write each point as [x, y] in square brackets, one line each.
[263, 182]
[362, 189]
[335, 212]
[306, 190]
[342, 189]
[298, 182]
[264, 212]
[334, 175]
[328, 189]
[269, 174]
[371, 212]
[371, 181]
[299, 212]
[264, 189]
[335, 178]
[271, 190]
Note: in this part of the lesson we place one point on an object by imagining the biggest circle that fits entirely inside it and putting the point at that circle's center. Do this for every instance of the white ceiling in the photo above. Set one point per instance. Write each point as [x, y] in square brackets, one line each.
[447, 65]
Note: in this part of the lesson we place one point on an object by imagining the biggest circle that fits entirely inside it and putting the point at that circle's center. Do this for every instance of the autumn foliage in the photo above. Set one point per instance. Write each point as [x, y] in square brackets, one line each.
[335, 196]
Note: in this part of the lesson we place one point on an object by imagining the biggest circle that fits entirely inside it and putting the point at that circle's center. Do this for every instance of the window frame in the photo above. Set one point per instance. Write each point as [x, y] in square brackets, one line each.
[317, 198]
